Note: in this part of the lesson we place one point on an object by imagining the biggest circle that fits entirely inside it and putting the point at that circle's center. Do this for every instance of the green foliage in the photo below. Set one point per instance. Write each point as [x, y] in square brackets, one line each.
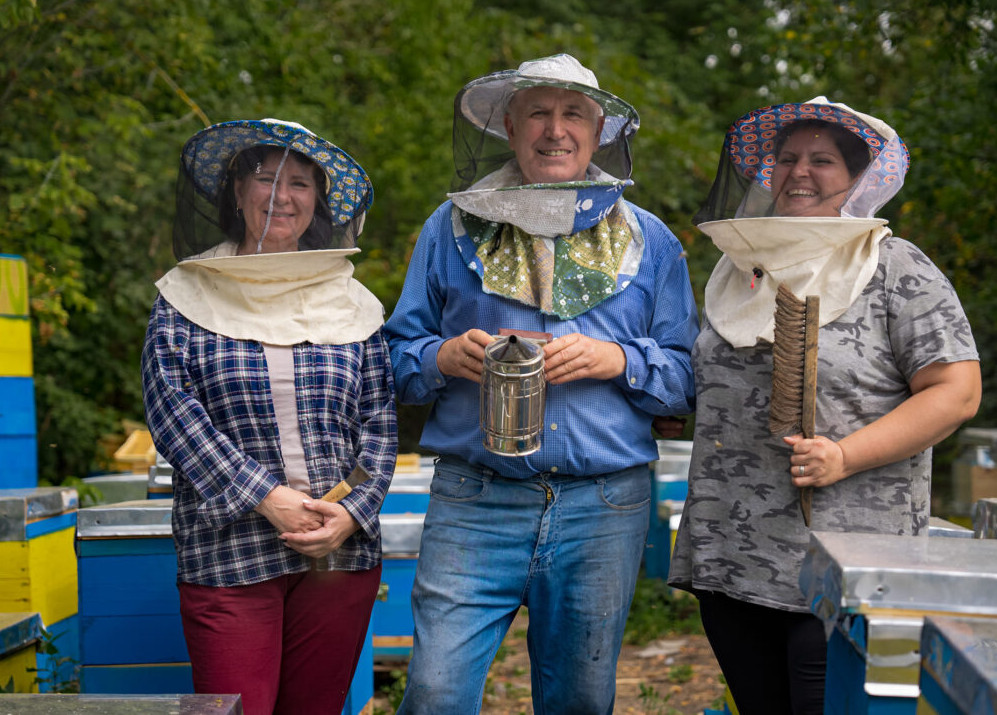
[97, 98]
[395, 689]
[62, 673]
[681, 673]
[658, 610]
[654, 703]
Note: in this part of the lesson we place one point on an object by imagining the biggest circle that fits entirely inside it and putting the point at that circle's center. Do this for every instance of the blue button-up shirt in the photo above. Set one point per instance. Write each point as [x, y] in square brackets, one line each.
[211, 415]
[590, 426]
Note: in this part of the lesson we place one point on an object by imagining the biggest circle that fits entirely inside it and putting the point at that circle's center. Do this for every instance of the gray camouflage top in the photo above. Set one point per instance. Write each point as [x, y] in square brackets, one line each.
[741, 532]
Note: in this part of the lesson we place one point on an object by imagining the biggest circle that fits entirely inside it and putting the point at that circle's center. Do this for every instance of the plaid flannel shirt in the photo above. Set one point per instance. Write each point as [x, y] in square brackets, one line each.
[211, 415]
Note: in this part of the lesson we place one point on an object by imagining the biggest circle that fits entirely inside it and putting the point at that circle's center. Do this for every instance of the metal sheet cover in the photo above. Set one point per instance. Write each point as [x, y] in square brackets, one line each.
[137, 518]
[853, 573]
[91, 704]
[960, 654]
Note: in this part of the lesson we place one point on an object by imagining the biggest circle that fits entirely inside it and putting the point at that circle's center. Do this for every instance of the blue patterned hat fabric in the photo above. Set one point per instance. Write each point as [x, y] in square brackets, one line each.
[750, 141]
[207, 155]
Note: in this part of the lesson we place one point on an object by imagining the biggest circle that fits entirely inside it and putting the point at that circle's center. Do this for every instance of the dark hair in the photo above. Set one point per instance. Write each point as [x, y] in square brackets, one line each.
[855, 151]
[319, 233]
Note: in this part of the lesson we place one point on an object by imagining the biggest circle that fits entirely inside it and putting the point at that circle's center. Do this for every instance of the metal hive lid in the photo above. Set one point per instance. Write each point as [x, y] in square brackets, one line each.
[138, 518]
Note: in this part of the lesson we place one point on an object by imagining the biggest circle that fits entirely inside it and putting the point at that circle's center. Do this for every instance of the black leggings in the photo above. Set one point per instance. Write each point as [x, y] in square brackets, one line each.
[774, 661]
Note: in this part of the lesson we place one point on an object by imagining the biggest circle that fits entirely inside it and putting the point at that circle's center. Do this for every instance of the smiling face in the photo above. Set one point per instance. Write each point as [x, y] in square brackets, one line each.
[810, 177]
[554, 133]
[295, 193]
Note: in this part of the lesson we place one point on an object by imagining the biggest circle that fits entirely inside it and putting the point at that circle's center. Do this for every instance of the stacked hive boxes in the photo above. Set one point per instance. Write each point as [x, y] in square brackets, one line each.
[37, 563]
[18, 443]
[874, 592]
[131, 634]
[131, 638]
[402, 516]
[670, 473]
[38, 570]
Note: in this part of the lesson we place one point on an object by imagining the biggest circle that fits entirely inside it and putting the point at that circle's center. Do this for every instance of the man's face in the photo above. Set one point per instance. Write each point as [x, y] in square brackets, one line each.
[554, 133]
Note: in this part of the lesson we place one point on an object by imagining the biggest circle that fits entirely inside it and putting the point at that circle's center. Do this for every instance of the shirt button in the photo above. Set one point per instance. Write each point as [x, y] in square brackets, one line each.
[633, 380]
[553, 469]
[553, 425]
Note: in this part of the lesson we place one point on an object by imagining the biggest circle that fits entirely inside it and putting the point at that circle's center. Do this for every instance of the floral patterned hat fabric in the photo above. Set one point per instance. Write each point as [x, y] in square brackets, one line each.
[751, 139]
[207, 155]
[743, 185]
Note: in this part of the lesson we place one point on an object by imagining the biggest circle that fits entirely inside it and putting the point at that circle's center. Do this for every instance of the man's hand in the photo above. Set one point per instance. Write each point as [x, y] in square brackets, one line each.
[464, 356]
[576, 356]
[337, 526]
[283, 508]
[668, 427]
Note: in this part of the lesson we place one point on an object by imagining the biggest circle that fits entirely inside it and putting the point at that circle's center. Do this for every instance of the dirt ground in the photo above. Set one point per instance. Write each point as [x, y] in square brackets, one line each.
[672, 676]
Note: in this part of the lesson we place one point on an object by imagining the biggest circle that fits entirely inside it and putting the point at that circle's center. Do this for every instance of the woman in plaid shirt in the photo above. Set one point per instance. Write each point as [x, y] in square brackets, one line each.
[267, 382]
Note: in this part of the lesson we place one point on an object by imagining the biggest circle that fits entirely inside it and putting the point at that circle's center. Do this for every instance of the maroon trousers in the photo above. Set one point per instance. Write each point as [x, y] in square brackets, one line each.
[289, 645]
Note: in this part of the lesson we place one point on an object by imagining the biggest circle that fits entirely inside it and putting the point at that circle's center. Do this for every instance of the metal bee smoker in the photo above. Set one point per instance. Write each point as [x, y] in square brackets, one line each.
[513, 390]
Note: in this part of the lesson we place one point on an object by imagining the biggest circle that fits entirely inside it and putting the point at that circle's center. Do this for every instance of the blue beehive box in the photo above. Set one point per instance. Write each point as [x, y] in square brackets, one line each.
[392, 617]
[408, 492]
[958, 666]
[131, 637]
[160, 482]
[18, 439]
[670, 485]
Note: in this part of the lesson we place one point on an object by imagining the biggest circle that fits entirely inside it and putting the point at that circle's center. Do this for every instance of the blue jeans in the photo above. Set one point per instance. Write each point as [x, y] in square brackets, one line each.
[567, 548]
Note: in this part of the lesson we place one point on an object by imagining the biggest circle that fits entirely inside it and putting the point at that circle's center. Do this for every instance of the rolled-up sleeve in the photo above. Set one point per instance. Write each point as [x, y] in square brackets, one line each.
[230, 482]
[377, 444]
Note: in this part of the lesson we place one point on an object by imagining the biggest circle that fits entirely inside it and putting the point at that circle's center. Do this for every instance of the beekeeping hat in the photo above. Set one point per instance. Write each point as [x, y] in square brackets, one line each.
[208, 164]
[743, 186]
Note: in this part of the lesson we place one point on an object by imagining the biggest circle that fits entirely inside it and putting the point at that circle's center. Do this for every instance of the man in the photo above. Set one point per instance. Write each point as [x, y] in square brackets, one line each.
[542, 242]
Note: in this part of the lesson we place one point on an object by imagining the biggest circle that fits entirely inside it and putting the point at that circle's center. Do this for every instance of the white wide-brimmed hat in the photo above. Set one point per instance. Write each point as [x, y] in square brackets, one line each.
[483, 99]
[481, 144]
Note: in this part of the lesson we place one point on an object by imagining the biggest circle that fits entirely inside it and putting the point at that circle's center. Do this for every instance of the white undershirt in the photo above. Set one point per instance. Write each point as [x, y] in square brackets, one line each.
[280, 366]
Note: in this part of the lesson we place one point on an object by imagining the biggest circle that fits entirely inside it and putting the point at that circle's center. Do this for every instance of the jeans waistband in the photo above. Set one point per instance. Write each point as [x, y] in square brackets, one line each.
[489, 473]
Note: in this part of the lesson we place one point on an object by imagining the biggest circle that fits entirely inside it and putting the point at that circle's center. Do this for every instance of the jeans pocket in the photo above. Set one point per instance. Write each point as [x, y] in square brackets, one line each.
[454, 485]
[628, 490]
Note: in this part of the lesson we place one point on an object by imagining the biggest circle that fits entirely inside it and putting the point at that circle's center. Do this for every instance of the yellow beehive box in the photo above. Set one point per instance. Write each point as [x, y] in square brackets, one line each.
[40, 575]
[138, 453]
[15, 347]
[20, 634]
[38, 552]
[13, 286]
[407, 462]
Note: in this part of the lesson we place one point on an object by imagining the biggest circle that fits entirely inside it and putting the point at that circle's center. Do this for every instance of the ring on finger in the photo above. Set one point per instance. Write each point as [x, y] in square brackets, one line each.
[802, 470]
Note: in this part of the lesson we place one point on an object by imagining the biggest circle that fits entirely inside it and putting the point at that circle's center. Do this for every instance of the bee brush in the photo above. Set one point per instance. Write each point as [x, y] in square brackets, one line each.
[793, 406]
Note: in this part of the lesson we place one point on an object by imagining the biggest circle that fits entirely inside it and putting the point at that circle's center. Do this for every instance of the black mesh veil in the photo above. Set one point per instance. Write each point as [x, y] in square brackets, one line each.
[206, 213]
[480, 142]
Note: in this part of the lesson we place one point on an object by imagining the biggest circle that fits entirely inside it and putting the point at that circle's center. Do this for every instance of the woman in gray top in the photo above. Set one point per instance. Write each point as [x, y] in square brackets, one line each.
[794, 202]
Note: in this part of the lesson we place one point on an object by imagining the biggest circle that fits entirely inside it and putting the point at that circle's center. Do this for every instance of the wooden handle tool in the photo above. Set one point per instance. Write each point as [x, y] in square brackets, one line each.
[794, 372]
[341, 490]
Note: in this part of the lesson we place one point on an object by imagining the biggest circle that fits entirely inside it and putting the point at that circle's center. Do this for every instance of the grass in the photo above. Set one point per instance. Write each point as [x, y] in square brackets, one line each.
[658, 610]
